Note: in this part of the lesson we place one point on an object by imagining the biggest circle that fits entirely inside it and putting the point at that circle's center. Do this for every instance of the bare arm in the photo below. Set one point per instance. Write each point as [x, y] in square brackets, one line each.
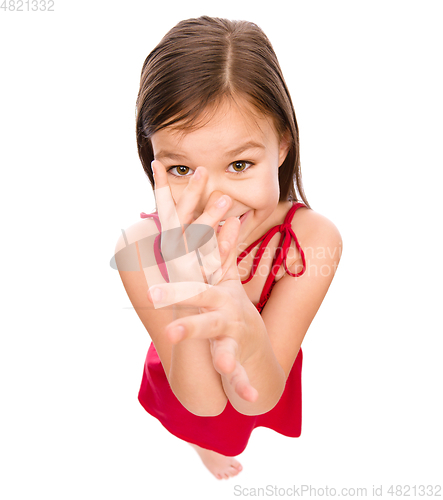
[289, 312]
[188, 366]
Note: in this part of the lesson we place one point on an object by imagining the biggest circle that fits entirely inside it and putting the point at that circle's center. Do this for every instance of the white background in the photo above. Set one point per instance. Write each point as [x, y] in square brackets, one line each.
[366, 82]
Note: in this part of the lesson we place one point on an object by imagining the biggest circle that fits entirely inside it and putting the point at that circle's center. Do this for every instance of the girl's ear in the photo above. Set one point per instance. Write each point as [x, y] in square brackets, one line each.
[285, 145]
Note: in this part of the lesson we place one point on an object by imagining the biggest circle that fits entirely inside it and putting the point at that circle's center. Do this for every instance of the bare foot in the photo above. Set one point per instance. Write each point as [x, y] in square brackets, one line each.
[220, 466]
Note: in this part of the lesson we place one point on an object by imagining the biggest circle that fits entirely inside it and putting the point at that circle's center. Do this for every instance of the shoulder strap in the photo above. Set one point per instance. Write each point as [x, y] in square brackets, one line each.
[280, 255]
[283, 245]
[292, 210]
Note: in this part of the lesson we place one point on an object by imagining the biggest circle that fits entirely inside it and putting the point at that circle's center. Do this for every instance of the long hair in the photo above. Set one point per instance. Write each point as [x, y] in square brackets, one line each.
[196, 65]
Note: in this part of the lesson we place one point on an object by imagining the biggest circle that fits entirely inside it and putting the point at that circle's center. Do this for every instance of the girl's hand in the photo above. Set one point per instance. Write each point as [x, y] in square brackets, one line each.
[188, 252]
[229, 321]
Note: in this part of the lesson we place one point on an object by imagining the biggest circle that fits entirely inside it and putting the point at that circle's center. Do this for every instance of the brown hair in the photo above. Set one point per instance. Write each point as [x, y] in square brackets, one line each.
[197, 64]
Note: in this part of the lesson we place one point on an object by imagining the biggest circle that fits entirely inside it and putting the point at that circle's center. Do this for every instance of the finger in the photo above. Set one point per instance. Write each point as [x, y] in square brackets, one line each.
[166, 209]
[224, 354]
[182, 264]
[242, 386]
[215, 210]
[199, 326]
[213, 256]
[197, 232]
[222, 255]
[228, 236]
[224, 357]
[187, 204]
[187, 293]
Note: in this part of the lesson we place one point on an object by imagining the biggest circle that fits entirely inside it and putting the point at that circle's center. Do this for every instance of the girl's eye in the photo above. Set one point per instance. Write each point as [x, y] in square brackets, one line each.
[241, 165]
[238, 166]
[181, 169]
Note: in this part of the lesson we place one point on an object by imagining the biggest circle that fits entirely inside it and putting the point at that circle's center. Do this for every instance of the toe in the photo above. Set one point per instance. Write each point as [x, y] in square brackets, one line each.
[234, 470]
[237, 465]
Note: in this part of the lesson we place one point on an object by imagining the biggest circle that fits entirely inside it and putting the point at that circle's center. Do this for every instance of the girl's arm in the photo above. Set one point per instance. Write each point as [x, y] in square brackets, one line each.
[289, 312]
[188, 366]
[194, 380]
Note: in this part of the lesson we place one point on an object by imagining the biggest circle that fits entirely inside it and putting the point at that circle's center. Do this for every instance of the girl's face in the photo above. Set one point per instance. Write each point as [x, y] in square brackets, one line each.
[241, 153]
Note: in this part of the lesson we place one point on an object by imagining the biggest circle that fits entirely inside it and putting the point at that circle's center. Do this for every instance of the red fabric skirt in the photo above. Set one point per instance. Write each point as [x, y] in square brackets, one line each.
[229, 432]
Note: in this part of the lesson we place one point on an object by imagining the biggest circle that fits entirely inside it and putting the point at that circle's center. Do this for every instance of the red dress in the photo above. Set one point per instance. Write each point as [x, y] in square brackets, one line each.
[229, 432]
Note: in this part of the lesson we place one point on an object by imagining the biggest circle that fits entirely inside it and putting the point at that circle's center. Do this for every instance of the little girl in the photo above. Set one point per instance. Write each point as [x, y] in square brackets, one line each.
[217, 134]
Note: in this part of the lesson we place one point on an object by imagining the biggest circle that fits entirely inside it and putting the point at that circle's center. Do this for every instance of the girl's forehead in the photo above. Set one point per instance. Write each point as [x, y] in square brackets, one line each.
[226, 121]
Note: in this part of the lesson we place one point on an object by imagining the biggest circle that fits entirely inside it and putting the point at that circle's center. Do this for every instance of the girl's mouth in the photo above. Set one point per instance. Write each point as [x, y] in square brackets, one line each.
[240, 217]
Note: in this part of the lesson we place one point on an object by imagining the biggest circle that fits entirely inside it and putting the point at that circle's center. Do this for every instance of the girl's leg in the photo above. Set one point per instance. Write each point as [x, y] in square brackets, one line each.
[220, 466]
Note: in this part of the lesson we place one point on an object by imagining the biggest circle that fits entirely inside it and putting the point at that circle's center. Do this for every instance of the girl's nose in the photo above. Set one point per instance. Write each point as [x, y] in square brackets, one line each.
[213, 197]
[207, 202]
[210, 193]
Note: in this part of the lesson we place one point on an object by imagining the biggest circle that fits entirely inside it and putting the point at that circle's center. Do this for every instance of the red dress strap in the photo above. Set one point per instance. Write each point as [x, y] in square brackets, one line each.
[280, 255]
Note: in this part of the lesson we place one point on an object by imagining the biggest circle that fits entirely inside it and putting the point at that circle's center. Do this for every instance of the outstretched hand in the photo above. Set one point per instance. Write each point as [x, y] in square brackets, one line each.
[228, 318]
